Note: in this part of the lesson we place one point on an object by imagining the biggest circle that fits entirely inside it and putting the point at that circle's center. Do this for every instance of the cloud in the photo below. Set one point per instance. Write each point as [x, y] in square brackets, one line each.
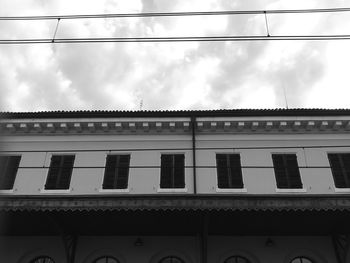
[195, 75]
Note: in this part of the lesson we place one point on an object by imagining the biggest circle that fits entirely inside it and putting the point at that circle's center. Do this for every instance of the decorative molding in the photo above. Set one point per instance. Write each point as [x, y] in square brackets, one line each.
[170, 126]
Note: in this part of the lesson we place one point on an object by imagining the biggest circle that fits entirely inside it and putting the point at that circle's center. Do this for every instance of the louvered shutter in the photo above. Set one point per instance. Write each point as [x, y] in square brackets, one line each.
[235, 171]
[8, 171]
[222, 171]
[123, 172]
[66, 172]
[179, 171]
[280, 171]
[293, 174]
[340, 166]
[346, 164]
[60, 172]
[54, 170]
[109, 176]
[166, 171]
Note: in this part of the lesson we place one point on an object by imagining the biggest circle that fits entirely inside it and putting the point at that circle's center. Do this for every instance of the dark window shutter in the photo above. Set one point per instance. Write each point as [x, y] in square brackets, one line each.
[172, 172]
[222, 171]
[229, 171]
[123, 172]
[179, 171]
[286, 171]
[293, 173]
[166, 171]
[111, 164]
[54, 170]
[235, 171]
[116, 172]
[66, 172]
[60, 172]
[340, 166]
[8, 171]
[280, 171]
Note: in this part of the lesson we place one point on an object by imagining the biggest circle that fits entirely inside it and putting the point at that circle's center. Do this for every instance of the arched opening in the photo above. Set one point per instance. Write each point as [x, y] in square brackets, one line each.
[106, 259]
[42, 259]
[171, 259]
[302, 260]
[237, 259]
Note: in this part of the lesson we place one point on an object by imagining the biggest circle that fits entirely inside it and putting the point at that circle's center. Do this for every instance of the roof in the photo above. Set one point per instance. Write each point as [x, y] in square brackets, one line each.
[175, 113]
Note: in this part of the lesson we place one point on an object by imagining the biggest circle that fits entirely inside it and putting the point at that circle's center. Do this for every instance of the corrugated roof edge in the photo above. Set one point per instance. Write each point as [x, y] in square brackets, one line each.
[175, 113]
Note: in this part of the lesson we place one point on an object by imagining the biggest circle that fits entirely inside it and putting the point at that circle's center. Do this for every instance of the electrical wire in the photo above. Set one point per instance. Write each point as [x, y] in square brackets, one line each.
[173, 39]
[174, 14]
[178, 149]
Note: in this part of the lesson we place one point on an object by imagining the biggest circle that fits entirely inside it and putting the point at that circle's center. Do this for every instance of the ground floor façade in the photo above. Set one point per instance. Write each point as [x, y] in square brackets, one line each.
[176, 229]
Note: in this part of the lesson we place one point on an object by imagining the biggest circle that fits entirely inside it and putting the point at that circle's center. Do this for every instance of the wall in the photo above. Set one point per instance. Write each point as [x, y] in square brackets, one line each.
[91, 150]
[20, 249]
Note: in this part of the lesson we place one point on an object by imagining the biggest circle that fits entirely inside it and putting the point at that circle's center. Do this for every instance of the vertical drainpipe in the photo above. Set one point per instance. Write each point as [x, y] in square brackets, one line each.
[193, 128]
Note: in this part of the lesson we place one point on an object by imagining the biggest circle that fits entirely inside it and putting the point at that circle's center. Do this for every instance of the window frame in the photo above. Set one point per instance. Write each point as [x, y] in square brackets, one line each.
[126, 190]
[288, 190]
[13, 189]
[229, 190]
[48, 158]
[337, 189]
[171, 190]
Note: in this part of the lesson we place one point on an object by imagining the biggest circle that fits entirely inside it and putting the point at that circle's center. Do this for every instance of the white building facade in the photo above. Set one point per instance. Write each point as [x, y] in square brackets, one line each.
[230, 186]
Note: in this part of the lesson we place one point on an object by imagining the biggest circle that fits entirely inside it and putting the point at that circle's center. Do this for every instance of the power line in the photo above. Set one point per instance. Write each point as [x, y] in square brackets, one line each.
[179, 149]
[173, 39]
[174, 14]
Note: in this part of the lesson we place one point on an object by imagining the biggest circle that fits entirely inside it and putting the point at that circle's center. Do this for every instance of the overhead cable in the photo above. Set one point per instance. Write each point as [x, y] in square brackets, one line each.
[174, 14]
[174, 39]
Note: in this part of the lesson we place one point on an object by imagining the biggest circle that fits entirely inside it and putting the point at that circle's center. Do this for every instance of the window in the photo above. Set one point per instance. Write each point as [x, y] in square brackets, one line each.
[106, 259]
[229, 171]
[340, 165]
[236, 259]
[286, 171]
[301, 260]
[116, 172]
[8, 170]
[171, 259]
[172, 174]
[42, 259]
[60, 172]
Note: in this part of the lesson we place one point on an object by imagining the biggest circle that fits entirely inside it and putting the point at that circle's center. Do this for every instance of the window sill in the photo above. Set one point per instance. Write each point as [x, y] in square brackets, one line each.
[55, 191]
[114, 191]
[172, 190]
[342, 190]
[291, 190]
[9, 191]
[231, 190]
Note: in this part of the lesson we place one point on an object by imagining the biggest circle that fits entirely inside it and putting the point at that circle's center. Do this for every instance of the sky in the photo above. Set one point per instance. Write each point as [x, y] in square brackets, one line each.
[173, 76]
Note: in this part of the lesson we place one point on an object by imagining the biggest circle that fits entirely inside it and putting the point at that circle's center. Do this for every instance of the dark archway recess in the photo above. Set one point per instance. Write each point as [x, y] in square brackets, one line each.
[302, 260]
[106, 259]
[42, 259]
[171, 259]
[237, 259]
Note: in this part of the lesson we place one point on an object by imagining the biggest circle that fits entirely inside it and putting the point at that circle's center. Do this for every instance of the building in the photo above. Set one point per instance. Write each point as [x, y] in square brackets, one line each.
[225, 186]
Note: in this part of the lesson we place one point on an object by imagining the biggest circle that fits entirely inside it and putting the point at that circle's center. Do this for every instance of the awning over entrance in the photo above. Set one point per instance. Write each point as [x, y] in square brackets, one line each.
[176, 202]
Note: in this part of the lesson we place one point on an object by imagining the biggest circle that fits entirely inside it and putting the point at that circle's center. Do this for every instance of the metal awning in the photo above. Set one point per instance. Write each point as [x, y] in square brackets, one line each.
[176, 203]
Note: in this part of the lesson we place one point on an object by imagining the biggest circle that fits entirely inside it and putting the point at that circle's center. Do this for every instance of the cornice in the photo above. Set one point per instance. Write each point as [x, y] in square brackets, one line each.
[28, 127]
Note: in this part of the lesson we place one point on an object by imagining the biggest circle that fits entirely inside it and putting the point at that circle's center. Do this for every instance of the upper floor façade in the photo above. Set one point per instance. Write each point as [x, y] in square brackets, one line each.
[151, 152]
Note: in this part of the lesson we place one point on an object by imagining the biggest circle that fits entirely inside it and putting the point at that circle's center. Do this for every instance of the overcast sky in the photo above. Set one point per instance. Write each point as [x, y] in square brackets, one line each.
[173, 75]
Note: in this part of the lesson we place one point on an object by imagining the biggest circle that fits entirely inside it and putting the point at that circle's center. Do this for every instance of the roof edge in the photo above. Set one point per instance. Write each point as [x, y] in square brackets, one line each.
[175, 113]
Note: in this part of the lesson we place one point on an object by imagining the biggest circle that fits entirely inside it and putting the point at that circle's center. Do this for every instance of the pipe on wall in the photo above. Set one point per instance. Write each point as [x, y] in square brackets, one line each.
[193, 129]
